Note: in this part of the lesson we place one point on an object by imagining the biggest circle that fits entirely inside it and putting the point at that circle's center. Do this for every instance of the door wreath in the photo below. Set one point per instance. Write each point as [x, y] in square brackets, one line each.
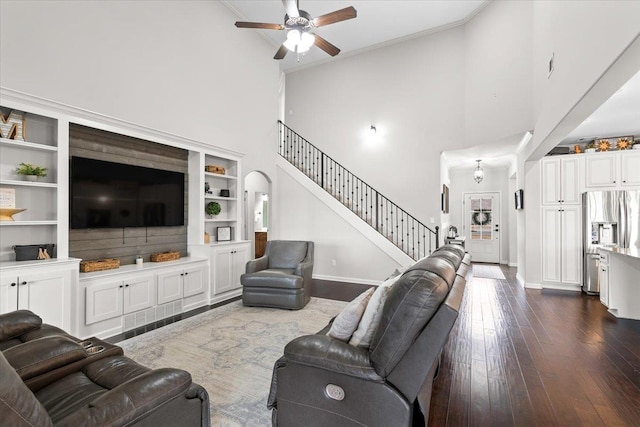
[481, 218]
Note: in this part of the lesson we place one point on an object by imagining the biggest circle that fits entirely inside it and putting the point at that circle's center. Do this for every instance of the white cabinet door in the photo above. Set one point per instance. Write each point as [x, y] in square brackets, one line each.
[551, 181]
[48, 295]
[571, 242]
[630, 168]
[570, 184]
[561, 180]
[170, 286]
[603, 278]
[8, 293]
[138, 293]
[600, 170]
[551, 244]
[240, 259]
[222, 269]
[194, 281]
[561, 245]
[103, 300]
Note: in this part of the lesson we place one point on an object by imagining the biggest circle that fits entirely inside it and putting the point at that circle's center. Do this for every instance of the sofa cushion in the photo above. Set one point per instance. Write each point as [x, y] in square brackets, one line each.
[372, 314]
[412, 302]
[272, 278]
[345, 323]
[286, 253]
[18, 406]
[439, 266]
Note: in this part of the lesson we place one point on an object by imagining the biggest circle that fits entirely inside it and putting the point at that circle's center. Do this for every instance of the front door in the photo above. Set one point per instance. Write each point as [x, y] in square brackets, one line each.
[482, 226]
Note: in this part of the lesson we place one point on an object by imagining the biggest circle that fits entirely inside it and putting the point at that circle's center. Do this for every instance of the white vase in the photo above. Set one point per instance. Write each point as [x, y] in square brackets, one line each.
[590, 150]
[32, 178]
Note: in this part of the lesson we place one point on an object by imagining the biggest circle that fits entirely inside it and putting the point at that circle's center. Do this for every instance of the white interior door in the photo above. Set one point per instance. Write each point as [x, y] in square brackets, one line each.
[482, 226]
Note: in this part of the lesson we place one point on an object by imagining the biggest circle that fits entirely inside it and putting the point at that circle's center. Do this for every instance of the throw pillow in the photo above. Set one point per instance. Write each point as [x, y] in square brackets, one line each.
[347, 321]
[373, 313]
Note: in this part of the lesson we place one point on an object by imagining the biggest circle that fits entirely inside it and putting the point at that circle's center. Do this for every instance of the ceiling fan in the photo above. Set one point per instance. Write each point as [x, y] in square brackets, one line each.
[299, 25]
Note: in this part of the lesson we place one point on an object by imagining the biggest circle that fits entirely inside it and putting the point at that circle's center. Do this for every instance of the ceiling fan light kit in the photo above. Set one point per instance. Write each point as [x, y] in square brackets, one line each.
[478, 173]
[299, 24]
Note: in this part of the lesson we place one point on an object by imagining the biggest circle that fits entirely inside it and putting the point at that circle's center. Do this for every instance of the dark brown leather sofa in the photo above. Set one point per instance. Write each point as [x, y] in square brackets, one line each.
[322, 381]
[49, 378]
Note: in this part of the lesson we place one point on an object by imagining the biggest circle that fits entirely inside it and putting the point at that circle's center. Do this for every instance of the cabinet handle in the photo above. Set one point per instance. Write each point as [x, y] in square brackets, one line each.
[181, 274]
[14, 284]
[186, 274]
[121, 286]
[23, 283]
[126, 286]
[614, 182]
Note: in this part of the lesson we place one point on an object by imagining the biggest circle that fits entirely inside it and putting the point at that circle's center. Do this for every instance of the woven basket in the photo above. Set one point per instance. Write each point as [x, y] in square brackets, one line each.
[165, 256]
[215, 169]
[99, 265]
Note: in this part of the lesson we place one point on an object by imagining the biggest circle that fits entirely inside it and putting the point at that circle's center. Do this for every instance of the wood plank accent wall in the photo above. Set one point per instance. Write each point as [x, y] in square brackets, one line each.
[125, 244]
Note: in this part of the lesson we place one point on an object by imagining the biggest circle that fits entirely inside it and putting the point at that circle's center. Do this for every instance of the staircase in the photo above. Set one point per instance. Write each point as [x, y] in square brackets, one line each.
[403, 230]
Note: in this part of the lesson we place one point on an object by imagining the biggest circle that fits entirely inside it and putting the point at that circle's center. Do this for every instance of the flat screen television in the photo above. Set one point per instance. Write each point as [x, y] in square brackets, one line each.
[116, 195]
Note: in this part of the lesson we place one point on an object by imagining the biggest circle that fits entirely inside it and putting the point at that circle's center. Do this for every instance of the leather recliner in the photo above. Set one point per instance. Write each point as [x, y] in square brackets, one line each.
[323, 381]
[281, 278]
[54, 380]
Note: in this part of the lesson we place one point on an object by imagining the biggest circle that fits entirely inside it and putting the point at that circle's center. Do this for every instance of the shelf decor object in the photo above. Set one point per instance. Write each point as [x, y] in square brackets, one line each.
[7, 198]
[223, 234]
[165, 256]
[624, 143]
[213, 208]
[12, 126]
[215, 169]
[31, 172]
[99, 265]
[6, 214]
[604, 145]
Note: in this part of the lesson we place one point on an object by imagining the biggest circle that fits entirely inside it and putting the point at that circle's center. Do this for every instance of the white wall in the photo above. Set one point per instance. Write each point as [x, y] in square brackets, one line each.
[498, 97]
[176, 66]
[302, 216]
[495, 180]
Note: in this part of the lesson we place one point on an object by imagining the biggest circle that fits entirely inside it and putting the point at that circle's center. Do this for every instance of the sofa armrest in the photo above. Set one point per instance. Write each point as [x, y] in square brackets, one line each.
[305, 269]
[37, 357]
[257, 264]
[132, 400]
[17, 323]
[323, 351]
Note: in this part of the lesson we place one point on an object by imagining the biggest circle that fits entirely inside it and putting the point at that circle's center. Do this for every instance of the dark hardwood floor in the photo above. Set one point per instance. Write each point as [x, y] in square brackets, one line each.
[531, 357]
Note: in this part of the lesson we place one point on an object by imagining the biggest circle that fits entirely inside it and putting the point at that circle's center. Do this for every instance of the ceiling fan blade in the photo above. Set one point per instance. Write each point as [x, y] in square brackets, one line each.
[337, 16]
[281, 53]
[291, 7]
[260, 25]
[326, 46]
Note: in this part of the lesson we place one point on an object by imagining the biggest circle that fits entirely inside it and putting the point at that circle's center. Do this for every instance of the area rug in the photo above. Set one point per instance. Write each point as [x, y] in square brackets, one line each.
[488, 271]
[230, 351]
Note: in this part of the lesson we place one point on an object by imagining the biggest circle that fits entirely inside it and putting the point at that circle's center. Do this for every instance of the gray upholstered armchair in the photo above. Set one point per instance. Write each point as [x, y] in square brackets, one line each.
[281, 278]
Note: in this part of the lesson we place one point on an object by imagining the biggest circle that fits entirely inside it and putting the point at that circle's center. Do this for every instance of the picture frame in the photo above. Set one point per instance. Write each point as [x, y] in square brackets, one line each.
[223, 234]
[445, 199]
[519, 199]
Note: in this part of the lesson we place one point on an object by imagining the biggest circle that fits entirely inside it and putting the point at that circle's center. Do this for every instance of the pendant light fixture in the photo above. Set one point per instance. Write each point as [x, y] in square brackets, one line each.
[478, 173]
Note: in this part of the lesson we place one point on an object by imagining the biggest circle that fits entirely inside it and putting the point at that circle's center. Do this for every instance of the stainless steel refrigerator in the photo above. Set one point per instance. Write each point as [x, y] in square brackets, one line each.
[609, 218]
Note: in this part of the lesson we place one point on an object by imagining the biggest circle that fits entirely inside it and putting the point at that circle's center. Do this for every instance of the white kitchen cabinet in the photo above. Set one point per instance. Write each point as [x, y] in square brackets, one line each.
[630, 168]
[44, 289]
[612, 170]
[110, 298]
[600, 170]
[228, 264]
[560, 180]
[603, 278]
[561, 245]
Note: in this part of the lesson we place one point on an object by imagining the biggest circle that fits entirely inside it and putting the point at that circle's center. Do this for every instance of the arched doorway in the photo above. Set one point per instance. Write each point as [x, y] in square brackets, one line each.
[257, 208]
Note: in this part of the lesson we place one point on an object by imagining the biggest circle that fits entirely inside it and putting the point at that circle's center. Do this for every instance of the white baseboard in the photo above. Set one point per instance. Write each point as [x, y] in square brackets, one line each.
[347, 279]
[520, 280]
[533, 285]
[512, 264]
[562, 287]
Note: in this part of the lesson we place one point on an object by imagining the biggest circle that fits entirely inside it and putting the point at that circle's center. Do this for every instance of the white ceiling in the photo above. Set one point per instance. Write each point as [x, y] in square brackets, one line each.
[378, 22]
[382, 22]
